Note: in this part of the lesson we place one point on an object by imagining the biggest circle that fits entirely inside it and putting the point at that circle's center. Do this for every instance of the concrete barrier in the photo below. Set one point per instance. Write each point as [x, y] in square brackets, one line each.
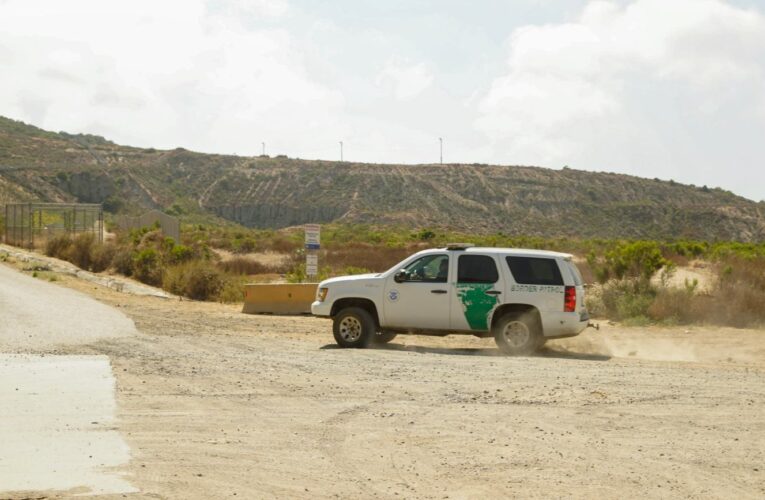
[281, 298]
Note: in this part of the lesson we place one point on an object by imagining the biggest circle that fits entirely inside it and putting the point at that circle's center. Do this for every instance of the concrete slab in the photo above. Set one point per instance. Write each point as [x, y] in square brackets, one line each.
[57, 425]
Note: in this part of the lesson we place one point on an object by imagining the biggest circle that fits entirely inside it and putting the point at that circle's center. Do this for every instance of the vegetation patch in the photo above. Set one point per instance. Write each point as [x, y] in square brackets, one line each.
[619, 272]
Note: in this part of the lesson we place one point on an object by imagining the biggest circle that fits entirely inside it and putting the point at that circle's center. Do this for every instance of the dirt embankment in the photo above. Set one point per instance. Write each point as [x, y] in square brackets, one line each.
[216, 404]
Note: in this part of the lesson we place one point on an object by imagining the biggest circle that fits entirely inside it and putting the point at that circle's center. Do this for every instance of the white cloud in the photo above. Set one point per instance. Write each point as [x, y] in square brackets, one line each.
[158, 73]
[257, 8]
[658, 88]
[664, 88]
[406, 80]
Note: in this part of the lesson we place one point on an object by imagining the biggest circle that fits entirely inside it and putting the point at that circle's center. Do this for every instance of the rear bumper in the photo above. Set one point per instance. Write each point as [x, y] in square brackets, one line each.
[562, 325]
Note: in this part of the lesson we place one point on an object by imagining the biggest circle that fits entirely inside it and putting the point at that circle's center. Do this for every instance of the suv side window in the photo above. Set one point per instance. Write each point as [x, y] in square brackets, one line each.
[428, 269]
[535, 271]
[476, 269]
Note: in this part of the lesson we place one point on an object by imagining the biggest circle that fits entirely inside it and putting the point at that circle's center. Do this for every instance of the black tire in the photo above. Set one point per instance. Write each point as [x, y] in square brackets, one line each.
[353, 327]
[518, 334]
[383, 337]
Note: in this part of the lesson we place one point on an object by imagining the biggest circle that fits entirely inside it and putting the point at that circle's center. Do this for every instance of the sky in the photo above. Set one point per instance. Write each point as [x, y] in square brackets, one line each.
[673, 89]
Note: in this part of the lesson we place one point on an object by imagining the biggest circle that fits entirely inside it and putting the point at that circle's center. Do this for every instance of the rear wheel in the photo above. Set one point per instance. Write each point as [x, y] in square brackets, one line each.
[353, 327]
[383, 337]
[518, 334]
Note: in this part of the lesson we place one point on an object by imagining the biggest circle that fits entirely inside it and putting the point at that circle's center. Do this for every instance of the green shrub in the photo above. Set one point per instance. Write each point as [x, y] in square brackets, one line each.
[180, 253]
[197, 279]
[244, 245]
[355, 270]
[627, 298]
[298, 275]
[639, 259]
[146, 267]
[425, 235]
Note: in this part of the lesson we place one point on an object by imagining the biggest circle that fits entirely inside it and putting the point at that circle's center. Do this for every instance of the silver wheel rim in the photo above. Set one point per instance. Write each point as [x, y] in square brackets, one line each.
[516, 334]
[350, 329]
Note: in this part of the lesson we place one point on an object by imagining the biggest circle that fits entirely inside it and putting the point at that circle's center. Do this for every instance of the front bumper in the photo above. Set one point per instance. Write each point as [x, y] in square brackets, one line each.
[319, 308]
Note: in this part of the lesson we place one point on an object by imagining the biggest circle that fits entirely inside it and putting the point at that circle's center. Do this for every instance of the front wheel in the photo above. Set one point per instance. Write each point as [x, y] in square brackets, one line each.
[353, 327]
[518, 334]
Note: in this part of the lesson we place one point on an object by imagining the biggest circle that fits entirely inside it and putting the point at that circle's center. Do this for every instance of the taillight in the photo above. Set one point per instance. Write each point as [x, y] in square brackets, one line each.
[569, 299]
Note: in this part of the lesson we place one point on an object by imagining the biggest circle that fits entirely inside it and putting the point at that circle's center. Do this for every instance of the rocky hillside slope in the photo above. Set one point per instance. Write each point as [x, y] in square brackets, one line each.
[279, 192]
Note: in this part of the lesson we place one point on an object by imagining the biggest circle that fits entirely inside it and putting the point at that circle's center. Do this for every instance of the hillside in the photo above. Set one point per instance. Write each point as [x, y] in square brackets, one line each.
[279, 192]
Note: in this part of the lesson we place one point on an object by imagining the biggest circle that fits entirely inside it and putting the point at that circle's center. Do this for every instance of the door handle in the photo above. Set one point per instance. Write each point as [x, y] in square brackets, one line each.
[493, 292]
[438, 291]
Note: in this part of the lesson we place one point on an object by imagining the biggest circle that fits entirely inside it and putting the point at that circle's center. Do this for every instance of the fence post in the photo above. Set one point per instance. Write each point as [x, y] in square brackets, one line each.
[31, 225]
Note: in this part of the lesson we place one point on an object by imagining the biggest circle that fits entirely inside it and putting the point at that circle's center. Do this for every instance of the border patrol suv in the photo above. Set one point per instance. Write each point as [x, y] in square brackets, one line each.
[520, 297]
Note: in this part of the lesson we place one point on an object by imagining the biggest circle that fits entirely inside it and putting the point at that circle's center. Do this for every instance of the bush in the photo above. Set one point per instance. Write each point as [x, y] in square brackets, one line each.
[102, 257]
[81, 249]
[674, 305]
[244, 266]
[147, 268]
[180, 253]
[740, 292]
[197, 279]
[350, 270]
[298, 274]
[122, 261]
[232, 291]
[640, 259]
[627, 298]
[58, 246]
[244, 245]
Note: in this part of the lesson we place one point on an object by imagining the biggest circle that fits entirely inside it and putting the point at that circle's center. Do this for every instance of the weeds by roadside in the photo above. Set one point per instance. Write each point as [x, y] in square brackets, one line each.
[622, 270]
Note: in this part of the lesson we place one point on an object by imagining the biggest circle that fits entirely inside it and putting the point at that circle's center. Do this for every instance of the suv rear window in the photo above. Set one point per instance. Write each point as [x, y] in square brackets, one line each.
[535, 271]
[476, 269]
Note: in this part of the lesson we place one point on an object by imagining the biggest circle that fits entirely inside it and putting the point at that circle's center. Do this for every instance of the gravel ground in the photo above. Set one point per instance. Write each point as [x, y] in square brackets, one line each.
[217, 404]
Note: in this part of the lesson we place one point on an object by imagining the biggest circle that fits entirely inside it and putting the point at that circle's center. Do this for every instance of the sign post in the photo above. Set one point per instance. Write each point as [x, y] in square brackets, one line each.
[312, 245]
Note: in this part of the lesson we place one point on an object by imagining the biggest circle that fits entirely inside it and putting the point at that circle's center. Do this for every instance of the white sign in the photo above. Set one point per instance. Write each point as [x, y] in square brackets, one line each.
[312, 264]
[312, 236]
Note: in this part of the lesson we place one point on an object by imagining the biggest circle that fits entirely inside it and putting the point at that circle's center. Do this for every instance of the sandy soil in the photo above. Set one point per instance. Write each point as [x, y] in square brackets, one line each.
[266, 258]
[217, 404]
[696, 271]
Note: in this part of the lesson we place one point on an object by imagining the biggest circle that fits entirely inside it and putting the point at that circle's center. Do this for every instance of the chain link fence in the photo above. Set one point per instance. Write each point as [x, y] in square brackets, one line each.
[31, 225]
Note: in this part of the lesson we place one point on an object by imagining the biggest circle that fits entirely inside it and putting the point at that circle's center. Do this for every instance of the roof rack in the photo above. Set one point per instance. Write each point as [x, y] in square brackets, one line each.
[458, 246]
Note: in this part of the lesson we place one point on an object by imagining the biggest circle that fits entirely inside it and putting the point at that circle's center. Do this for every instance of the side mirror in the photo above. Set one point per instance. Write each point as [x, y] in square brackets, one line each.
[400, 276]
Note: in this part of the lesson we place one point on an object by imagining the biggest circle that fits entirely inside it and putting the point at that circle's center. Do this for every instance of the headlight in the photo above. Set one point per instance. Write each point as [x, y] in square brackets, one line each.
[322, 294]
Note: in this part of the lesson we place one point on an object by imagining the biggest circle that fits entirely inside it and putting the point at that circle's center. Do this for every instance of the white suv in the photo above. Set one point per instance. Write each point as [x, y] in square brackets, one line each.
[520, 297]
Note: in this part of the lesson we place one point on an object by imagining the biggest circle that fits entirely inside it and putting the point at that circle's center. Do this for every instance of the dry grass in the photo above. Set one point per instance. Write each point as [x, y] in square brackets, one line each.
[375, 258]
[244, 266]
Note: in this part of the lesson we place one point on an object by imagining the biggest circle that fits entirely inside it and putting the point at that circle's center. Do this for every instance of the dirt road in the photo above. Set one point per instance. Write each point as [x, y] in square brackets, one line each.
[216, 404]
